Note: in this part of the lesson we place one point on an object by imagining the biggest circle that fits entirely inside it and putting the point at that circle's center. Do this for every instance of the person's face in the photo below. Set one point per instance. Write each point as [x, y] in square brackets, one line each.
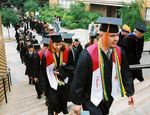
[69, 46]
[37, 50]
[95, 40]
[124, 33]
[30, 49]
[112, 39]
[138, 34]
[57, 46]
[28, 43]
[76, 42]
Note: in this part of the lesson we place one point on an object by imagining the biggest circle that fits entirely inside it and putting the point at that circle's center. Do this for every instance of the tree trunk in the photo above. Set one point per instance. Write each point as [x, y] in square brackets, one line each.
[8, 33]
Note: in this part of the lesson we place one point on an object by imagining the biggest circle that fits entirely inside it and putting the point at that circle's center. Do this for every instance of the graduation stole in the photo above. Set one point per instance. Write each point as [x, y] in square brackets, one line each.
[98, 89]
[60, 82]
[51, 64]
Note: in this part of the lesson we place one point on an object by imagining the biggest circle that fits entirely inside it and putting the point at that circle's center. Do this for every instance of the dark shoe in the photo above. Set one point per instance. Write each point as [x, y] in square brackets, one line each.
[39, 96]
[29, 81]
[50, 112]
[46, 103]
[65, 111]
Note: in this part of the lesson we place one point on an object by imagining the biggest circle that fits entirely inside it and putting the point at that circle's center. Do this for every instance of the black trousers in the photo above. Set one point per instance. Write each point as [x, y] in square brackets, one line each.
[57, 99]
[38, 88]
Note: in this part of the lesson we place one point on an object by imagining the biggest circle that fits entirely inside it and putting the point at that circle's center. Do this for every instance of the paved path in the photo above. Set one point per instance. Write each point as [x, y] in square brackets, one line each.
[23, 96]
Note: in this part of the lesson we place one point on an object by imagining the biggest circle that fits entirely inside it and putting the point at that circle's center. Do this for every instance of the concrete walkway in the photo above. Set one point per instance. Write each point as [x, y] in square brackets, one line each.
[23, 96]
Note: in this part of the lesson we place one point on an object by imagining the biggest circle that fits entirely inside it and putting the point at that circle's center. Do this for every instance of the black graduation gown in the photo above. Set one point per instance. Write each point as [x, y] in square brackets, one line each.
[57, 98]
[17, 36]
[35, 73]
[87, 45]
[35, 41]
[21, 48]
[28, 64]
[75, 56]
[80, 91]
[133, 48]
[79, 48]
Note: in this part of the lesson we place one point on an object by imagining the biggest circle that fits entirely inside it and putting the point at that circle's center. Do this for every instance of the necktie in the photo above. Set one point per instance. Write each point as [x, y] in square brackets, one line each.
[108, 54]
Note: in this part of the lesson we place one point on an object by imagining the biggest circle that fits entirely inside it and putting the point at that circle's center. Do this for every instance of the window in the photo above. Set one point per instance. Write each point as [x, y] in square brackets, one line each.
[147, 14]
[65, 3]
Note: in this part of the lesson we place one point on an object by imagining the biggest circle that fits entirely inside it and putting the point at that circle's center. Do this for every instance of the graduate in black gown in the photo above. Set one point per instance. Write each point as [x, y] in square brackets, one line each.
[77, 45]
[124, 31]
[37, 64]
[21, 48]
[97, 78]
[28, 62]
[68, 42]
[93, 39]
[34, 40]
[55, 68]
[133, 46]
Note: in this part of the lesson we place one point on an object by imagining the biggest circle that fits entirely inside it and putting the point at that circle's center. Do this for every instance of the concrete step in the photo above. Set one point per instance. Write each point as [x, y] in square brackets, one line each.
[142, 92]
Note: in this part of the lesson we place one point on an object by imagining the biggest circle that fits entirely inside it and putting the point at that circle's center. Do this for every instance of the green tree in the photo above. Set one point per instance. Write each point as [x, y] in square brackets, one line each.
[8, 17]
[131, 13]
[17, 1]
[77, 10]
[31, 5]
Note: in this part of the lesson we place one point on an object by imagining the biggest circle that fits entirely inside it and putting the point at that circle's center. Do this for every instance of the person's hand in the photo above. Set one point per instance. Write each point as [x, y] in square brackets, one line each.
[56, 72]
[131, 100]
[31, 78]
[76, 109]
[43, 92]
[36, 80]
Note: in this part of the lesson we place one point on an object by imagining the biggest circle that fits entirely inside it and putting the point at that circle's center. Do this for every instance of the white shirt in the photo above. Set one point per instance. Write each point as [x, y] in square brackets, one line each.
[36, 13]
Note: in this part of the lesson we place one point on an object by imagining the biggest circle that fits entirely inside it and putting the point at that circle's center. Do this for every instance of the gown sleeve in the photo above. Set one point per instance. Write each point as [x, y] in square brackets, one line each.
[80, 81]
[126, 75]
[36, 67]
[68, 69]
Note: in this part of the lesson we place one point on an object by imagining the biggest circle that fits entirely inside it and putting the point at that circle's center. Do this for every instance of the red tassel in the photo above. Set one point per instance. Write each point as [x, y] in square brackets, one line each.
[52, 48]
[104, 42]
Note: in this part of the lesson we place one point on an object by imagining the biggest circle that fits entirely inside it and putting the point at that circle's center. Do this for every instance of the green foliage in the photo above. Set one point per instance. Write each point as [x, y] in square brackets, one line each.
[74, 18]
[77, 10]
[131, 14]
[30, 6]
[8, 17]
[147, 34]
[17, 1]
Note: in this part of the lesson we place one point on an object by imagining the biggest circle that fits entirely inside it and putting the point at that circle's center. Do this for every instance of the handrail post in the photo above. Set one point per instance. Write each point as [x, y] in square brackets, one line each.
[8, 74]
[4, 90]
[10, 77]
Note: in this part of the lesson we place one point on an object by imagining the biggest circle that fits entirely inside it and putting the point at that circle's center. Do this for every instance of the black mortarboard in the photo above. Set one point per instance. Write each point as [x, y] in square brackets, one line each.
[114, 22]
[76, 39]
[37, 46]
[45, 41]
[68, 37]
[61, 32]
[30, 46]
[93, 36]
[55, 37]
[28, 39]
[21, 37]
[141, 27]
[33, 36]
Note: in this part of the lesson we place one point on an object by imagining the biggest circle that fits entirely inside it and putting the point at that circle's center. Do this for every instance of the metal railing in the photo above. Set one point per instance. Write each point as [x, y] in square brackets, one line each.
[4, 84]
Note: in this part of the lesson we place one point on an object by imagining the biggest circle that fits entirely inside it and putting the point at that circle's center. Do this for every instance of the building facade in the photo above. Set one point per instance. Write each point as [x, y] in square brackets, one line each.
[107, 8]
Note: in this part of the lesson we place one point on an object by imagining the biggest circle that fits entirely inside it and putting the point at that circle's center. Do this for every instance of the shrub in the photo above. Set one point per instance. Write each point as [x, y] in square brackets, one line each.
[147, 34]
[74, 26]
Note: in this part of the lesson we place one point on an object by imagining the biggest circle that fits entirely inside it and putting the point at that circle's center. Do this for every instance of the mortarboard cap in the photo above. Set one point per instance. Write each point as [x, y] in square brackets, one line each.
[93, 36]
[21, 37]
[61, 32]
[33, 36]
[37, 46]
[114, 22]
[68, 37]
[55, 37]
[141, 27]
[76, 39]
[45, 41]
[28, 40]
[30, 46]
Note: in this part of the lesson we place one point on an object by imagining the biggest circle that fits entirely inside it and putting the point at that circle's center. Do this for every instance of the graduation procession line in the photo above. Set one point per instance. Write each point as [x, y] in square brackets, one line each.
[23, 99]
